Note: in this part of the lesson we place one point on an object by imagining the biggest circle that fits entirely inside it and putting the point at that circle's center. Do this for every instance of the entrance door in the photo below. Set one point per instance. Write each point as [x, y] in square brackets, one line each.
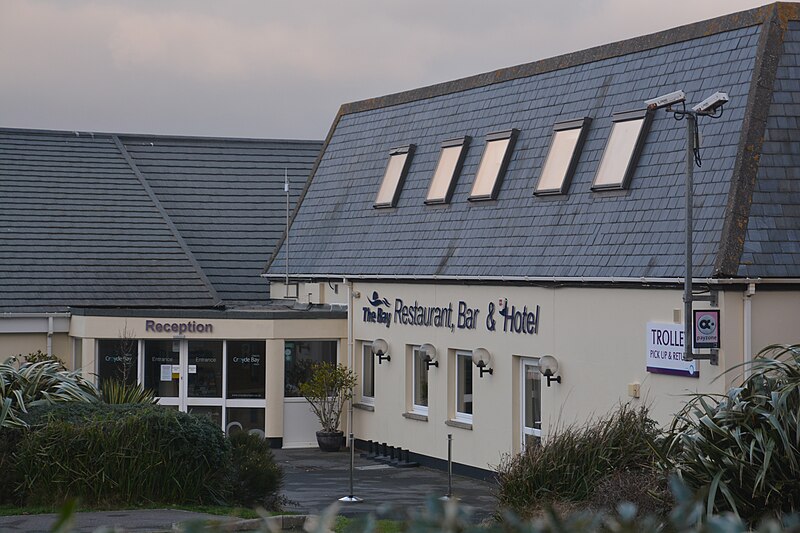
[186, 374]
[531, 403]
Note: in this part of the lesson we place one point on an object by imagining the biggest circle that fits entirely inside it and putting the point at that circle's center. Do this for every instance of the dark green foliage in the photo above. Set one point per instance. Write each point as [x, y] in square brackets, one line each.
[117, 391]
[573, 461]
[257, 479]
[122, 455]
[9, 441]
[743, 448]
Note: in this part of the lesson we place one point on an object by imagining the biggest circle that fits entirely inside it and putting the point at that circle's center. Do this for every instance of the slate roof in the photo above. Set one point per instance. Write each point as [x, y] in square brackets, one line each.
[105, 220]
[631, 234]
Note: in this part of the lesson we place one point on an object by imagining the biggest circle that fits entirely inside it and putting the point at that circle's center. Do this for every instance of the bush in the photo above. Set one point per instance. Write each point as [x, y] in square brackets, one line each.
[257, 479]
[124, 454]
[743, 448]
[570, 464]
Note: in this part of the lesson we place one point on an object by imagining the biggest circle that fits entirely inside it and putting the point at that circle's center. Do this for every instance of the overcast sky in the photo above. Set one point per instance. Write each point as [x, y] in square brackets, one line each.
[282, 68]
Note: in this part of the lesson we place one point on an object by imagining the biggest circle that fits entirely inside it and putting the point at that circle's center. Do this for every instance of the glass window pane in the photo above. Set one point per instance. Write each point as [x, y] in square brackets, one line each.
[420, 379]
[246, 369]
[205, 369]
[558, 158]
[368, 372]
[444, 174]
[214, 413]
[464, 384]
[117, 359]
[533, 398]
[618, 152]
[489, 168]
[391, 180]
[248, 419]
[161, 367]
[299, 358]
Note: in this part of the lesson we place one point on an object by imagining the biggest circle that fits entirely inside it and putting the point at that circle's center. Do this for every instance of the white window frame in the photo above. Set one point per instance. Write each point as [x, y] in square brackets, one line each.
[415, 407]
[366, 354]
[525, 363]
[461, 416]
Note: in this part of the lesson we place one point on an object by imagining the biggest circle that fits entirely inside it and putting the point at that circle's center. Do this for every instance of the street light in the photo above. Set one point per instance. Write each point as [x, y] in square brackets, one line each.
[710, 107]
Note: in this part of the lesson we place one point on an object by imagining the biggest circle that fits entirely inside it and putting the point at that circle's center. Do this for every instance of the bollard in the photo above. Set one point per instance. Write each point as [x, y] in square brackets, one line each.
[449, 466]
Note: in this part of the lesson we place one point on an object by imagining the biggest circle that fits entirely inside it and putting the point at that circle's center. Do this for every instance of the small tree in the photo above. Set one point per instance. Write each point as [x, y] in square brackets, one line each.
[329, 387]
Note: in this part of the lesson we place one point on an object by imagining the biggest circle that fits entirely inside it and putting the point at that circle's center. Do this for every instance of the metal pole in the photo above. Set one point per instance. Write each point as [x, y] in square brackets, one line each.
[691, 124]
[449, 466]
[351, 497]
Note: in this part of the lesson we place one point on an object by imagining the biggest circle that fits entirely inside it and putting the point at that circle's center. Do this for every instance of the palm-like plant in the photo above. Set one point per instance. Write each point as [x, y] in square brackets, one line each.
[744, 447]
[25, 384]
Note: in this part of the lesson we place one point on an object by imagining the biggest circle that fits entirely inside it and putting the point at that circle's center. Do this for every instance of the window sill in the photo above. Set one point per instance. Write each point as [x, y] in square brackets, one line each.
[458, 424]
[416, 416]
[364, 407]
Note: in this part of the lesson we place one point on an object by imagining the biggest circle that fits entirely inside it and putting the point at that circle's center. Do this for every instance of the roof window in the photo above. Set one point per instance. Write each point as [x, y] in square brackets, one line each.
[622, 150]
[393, 177]
[562, 157]
[493, 165]
[448, 168]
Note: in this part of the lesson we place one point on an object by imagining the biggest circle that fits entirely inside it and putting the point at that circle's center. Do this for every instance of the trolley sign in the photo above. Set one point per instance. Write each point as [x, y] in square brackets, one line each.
[706, 328]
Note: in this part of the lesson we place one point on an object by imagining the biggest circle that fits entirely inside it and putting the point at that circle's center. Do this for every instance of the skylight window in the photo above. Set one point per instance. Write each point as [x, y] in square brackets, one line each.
[562, 157]
[447, 170]
[493, 165]
[622, 150]
[396, 170]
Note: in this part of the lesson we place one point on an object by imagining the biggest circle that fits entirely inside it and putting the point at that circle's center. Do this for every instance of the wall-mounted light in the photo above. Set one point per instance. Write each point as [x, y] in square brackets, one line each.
[429, 355]
[548, 366]
[381, 348]
[482, 359]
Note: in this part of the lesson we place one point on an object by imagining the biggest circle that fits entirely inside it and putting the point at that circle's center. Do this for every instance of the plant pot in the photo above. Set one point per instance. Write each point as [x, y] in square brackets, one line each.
[330, 441]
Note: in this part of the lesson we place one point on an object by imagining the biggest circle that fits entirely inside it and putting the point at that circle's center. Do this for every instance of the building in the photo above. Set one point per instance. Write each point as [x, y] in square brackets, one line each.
[139, 257]
[538, 210]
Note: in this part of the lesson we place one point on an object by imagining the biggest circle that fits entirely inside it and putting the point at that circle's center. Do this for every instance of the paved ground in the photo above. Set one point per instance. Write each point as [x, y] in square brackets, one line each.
[313, 481]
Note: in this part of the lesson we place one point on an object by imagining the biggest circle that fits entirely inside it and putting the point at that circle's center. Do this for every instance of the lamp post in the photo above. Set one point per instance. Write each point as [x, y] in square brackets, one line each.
[707, 108]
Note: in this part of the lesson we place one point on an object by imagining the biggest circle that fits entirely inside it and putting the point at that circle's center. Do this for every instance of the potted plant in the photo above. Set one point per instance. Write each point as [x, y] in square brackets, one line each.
[328, 388]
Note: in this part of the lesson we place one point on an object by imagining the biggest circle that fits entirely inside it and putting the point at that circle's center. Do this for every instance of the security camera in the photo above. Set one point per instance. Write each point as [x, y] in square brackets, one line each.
[666, 100]
[712, 103]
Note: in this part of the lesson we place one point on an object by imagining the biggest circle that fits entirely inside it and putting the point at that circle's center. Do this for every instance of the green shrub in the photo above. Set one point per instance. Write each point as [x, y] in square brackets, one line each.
[570, 464]
[117, 391]
[743, 448]
[125, 454]
[257, 479]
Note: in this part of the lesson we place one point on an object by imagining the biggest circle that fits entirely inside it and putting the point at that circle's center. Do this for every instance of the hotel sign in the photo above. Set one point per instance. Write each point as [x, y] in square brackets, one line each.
[498, 316]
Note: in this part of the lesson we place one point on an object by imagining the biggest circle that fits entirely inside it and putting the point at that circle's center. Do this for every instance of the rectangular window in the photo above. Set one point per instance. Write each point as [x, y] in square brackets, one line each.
[393, 177]
[367, 374]
[622, 150]
[464, 386]
[531, 404]
[117, 359]
[492, 167]
[562, 157]
[447, 170]
[420, 383]
[299, 359]
[246, 369]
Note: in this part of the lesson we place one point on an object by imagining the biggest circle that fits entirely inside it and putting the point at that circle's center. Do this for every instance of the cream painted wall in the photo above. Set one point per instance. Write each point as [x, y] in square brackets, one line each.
[776, 319]
[25, 343]
[598, 336]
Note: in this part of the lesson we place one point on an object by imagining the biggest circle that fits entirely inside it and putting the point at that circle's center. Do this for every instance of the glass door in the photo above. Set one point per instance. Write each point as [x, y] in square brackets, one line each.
[531, 403]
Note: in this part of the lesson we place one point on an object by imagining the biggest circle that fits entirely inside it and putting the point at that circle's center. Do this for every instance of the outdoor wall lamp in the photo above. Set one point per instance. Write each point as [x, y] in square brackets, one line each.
[548, 366]
[429, 355]
[482, 359]
[381, 348]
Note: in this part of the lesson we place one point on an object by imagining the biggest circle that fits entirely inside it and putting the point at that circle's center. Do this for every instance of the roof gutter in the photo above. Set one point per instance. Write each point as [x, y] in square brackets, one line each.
[49, 323]
[544, 279]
